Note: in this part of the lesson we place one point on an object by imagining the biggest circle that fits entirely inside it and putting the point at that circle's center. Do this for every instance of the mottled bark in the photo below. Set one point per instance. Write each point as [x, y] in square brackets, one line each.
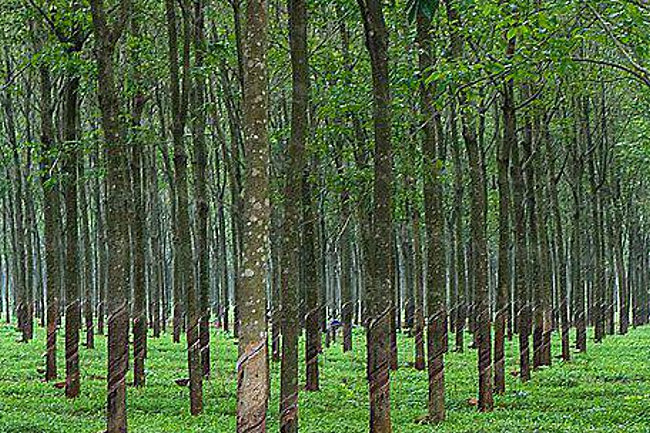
[477, 228]
[183, 265]
[291, 252]
[436, 322]
[200, 174]
[106, 38]
[252, 366]
[380, 290]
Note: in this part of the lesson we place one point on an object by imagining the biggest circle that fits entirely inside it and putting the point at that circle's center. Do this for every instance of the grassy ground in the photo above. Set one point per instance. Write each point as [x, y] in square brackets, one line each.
[605, 390]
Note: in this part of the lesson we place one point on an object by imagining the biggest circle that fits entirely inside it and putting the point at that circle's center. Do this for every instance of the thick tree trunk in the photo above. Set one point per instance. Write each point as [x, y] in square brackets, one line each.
[117, 212]
[137, 221]
[380, 290]
[252, 366]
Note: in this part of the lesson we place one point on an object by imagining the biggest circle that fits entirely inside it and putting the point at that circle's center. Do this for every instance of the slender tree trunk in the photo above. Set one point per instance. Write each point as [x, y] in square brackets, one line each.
[534, 271]
[52, 216]
[139, 312]
[457, 233]
[88, 307]
[623, 278]
[310, 282]
[419, 294]
[508, 141]
[560, 254]
[183, 264]
[545, 271]
[478, 230]
[156, 258]
[72, 308]
[345, 246]
[577, 284]
[200, 174]
[292, 219]
[521, 263]
[436, 288]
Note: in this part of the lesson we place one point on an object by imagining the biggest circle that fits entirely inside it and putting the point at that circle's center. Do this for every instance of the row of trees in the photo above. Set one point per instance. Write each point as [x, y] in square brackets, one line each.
[490, 177]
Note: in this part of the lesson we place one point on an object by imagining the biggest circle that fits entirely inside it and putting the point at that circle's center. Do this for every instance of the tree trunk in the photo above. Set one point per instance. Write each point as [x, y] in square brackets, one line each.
[252, 367]
[183, 264]
[200, 174]
[380, 290]
[106, 37]
[52, 216]
[508, 141]
[577, 284]
[291, 253]
[419, 294]
[72, 307]
[433, 198]
[310, 282]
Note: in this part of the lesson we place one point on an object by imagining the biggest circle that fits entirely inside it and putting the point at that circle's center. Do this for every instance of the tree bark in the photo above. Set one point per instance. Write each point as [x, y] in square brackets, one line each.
[52, 216]
[71, 274]
[252, 366]
[106, 37]
[200, 174]
[380, 290]
[291, 252]
[433, 198]
[508, 141]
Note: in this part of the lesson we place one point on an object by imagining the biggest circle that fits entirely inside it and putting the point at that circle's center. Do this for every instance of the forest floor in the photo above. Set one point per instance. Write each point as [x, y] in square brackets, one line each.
[605, 390]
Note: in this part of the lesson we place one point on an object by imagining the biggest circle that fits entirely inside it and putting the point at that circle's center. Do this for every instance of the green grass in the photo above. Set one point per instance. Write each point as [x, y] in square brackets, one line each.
[605, 390]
